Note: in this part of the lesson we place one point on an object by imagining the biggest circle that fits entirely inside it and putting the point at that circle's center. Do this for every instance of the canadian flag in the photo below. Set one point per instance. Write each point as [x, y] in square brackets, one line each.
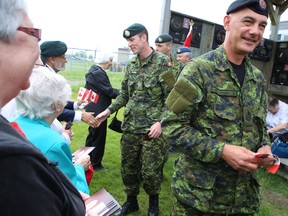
[188, 39]
[87, 95]
[84, 94]
[94, 97]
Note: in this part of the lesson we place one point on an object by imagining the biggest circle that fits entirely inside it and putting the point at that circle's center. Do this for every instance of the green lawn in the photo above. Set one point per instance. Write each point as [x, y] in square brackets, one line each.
[273, 187]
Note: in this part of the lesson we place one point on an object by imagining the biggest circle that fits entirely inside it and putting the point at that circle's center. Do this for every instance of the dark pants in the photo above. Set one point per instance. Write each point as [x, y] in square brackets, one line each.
[97, 138]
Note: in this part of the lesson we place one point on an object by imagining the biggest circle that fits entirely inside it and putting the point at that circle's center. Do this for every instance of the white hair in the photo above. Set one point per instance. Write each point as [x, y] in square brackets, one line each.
[188, 54]
[45, 89]
[103, 58]
[11, 15]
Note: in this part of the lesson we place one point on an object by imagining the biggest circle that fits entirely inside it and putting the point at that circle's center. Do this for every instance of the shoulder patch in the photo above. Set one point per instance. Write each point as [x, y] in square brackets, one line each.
[169, 64]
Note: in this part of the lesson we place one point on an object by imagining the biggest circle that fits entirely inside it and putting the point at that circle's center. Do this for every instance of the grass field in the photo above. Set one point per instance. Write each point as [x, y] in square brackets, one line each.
[274, 189]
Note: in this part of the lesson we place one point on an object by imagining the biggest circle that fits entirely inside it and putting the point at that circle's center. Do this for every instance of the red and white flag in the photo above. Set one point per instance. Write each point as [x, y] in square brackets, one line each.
[273, 169]
[188, 39]
[94, 97]
[87, 95]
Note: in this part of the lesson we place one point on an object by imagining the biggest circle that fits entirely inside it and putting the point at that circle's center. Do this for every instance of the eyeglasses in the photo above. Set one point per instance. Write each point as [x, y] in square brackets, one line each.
[31, 31]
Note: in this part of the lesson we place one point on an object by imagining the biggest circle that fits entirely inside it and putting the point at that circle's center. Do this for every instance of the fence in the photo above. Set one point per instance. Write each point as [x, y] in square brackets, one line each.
[84, 58]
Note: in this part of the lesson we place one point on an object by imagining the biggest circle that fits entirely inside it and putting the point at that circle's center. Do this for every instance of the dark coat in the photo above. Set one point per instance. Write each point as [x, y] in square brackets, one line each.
[32, 185]
[68, 113]
[98, 81]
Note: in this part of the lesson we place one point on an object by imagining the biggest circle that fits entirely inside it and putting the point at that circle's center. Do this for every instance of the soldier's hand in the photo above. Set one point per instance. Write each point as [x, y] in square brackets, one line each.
[265, 162]
[240, 158]
[155, 130]
[88, 118]
[102, 116]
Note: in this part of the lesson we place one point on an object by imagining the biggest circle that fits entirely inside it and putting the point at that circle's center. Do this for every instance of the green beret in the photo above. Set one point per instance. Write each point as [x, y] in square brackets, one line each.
[258, 6]
[53, 48]
[132, 30]
[163, 38]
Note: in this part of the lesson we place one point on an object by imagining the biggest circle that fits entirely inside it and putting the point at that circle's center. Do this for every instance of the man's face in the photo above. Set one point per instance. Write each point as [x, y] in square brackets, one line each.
[163, 48]
[60, 62]
[244, 30]
[136, 43]
[183, 58]
[17, 59]
[273, 109]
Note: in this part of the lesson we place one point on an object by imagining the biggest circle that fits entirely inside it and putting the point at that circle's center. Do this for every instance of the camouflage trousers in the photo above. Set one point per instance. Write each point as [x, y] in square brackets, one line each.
[180, 209]
[142, 161]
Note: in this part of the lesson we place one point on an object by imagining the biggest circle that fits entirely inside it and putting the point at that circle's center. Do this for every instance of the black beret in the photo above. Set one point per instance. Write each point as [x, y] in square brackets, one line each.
[132, 30]
[53, 48]
[258, 6]
[183, 49]
[163, 38]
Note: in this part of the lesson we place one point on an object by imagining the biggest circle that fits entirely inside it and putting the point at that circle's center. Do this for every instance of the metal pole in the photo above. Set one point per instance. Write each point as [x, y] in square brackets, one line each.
[165, 17]
[275, 28]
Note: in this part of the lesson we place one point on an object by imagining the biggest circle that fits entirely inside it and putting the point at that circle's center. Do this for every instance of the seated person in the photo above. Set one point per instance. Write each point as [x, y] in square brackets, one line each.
[38, 107]
[277, 118]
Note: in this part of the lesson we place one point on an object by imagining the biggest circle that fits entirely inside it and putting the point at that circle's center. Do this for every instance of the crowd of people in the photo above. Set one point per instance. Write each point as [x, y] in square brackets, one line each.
[211, 109]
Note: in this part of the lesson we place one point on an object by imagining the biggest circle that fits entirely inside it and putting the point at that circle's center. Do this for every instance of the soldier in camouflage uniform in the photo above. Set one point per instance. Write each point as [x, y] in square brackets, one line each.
[163, 45]
[221, 104]
[143, 92]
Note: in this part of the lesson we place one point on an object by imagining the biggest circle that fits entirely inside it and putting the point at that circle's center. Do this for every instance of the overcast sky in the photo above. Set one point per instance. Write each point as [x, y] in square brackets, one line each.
[98, 24]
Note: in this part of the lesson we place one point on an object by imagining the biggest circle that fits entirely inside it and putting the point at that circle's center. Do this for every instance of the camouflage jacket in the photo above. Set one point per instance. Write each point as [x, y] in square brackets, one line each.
[176, 67]
[143, 92]
[214, 109]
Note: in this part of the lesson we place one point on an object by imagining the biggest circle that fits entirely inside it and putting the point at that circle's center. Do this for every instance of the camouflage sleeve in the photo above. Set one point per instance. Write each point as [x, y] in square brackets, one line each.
[265, 136]
[123, 97]
[167, 80]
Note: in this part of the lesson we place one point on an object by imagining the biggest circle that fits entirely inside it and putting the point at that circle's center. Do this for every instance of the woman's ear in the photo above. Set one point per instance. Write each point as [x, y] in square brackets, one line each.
[57, 106]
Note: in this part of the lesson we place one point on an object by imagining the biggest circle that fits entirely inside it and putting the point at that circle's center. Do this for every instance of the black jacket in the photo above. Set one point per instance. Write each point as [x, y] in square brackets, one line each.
[68, 113]
[98, 81]
[30, 184]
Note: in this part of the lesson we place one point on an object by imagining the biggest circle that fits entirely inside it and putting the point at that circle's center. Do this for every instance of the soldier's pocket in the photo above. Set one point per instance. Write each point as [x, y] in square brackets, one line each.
[200, 179]
[224, 106]
[153, 88]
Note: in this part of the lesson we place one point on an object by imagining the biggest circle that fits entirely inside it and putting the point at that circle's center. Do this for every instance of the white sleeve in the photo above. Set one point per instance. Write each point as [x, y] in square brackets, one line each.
[78, 116]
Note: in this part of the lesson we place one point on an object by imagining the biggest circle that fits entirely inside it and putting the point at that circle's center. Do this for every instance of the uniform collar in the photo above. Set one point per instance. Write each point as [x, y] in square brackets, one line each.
[222, 64]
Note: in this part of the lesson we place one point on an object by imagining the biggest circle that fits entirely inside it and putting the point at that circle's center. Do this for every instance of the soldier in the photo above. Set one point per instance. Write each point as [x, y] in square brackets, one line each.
[143, 92]
[224, 97]
[184, 54]
[163, 45]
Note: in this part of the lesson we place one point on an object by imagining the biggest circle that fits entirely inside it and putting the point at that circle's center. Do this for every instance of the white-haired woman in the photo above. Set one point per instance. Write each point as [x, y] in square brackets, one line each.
[98, 81]
[38, 106]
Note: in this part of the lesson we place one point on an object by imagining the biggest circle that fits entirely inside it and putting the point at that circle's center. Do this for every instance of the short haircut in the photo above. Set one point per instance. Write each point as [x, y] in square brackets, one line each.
[272, 102]
[45, 89]
[44, 59]
[146, 33]
[11, 15]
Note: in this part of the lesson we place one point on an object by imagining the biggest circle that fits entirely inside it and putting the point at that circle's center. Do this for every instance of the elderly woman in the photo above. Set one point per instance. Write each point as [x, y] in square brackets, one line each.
[38, 106]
